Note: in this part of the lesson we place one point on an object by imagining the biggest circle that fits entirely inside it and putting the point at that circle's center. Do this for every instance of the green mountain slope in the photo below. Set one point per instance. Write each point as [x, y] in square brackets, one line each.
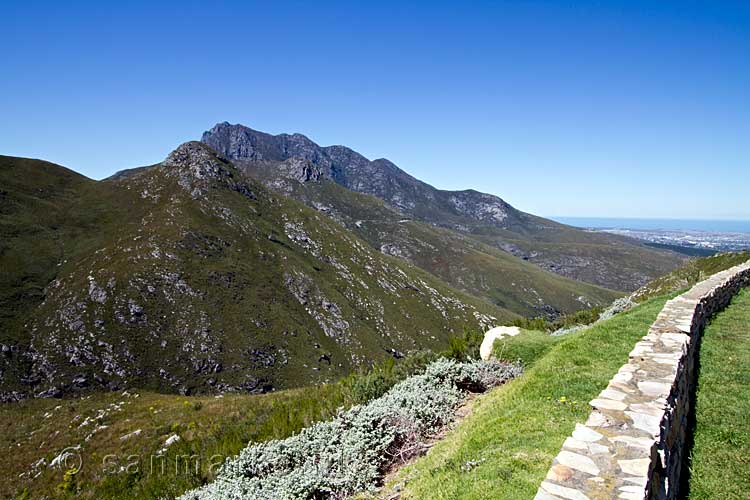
[189, 277]
[467, 264]
[606, 260]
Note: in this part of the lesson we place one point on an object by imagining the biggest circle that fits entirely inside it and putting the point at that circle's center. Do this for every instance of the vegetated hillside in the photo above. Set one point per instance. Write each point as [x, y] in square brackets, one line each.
[603, 259]
[141, 466]
[691, 273]
[189, 277]
[467, 264]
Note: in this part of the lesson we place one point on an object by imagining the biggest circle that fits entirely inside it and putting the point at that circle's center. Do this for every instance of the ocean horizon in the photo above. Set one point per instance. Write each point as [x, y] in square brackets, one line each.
[705, 225]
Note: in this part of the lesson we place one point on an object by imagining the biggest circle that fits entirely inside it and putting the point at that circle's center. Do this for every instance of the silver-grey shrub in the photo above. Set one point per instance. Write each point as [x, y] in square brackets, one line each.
[334, 459]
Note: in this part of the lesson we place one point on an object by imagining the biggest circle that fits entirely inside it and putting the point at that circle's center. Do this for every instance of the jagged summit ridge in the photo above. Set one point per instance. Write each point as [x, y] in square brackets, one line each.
[240, 142]
[380, 178]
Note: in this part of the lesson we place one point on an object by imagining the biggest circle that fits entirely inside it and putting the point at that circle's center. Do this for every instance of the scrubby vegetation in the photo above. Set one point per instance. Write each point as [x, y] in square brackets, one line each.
[692, 272]
[34, 432]
[582, 317]
[719, 464]
[37, 430]
[349, 454]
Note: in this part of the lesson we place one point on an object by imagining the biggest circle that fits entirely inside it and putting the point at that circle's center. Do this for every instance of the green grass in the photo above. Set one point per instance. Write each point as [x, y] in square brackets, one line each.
[528, 346]
[208, 427]
[515, 431]
[720, 459]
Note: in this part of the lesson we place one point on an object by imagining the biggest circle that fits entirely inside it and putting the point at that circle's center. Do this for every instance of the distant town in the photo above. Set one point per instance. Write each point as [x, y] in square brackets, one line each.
[704, 242]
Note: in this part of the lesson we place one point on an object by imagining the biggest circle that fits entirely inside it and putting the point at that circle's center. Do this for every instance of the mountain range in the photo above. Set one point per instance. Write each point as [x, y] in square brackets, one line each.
[249, 262]
[598, 258]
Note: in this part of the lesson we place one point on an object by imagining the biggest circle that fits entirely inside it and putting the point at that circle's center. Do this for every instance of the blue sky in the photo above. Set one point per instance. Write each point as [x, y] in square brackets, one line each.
[617, 108]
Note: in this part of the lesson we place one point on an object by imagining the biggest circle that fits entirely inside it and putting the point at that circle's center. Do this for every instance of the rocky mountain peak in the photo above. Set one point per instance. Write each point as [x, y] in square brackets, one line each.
[196, 166]
[297, 157]
[196, 157]
[243, 143]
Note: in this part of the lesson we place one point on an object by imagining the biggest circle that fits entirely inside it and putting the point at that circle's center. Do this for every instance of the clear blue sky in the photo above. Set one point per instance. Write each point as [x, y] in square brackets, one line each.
[610, 108]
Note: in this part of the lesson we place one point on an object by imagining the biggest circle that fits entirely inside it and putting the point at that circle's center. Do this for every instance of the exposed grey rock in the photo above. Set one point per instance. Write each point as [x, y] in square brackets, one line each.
[303, 160]
[197, 167]
[620, 305]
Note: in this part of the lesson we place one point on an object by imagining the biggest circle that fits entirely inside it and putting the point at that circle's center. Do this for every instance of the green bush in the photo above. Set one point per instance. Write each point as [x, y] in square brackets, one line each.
[582, 317]
[465, 347]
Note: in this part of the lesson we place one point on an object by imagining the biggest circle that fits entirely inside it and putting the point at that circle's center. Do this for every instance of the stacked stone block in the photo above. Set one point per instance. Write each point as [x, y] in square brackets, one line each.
[632, 447]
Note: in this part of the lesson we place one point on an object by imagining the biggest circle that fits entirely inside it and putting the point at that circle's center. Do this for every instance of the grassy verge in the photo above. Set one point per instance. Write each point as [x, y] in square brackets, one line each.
[528, 346]
[720, 460]
[504, 449]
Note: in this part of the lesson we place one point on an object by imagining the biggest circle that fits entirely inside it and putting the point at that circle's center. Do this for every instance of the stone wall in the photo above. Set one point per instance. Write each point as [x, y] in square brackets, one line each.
[633, 444]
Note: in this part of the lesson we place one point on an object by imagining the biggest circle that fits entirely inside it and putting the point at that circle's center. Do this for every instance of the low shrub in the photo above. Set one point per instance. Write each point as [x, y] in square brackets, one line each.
[365, 386]
[582, 317]
[349, 453]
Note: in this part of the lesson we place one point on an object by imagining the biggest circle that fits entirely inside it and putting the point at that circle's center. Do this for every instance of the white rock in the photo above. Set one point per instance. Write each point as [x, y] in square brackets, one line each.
[543, 495]
[648, 408]
[59, 459]
[641, 481]
[645, 422]
[632, 489]
[485, 350]
[574, 444]
[171, 440]
[613, 394]
[630, 496]
[597, 419]
[634, 442]
[623, 377]
[596, 449]
[650, 388]
[133, 434]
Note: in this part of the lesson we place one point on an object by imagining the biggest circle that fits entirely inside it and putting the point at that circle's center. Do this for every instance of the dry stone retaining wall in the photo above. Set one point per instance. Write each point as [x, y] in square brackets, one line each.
[632, 447]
